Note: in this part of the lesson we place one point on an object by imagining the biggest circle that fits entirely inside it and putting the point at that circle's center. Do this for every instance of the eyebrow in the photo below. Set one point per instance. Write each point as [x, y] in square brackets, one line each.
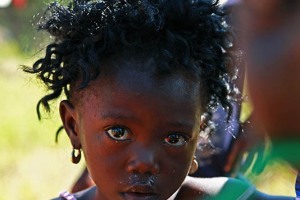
[183, 124]
[119, 116]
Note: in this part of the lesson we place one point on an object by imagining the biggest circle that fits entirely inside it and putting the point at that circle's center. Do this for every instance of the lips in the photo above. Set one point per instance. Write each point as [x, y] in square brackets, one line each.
[140, 192]
[139, 196]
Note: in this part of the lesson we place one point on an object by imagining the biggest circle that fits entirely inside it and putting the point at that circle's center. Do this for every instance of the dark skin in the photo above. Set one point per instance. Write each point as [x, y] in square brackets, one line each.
[138, 133]
[83, 182]
[271, 40]
[273, 28]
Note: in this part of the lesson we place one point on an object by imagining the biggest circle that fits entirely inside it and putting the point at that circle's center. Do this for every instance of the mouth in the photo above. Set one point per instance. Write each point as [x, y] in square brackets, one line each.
[139, 196]
[140, 192]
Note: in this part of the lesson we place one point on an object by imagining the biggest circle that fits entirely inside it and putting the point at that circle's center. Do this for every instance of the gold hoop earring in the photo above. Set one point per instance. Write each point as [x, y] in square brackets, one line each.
[76, 156]
[194, 166]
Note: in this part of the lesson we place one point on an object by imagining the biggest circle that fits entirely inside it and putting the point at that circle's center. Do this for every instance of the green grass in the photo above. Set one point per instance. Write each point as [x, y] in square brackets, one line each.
[32, 165]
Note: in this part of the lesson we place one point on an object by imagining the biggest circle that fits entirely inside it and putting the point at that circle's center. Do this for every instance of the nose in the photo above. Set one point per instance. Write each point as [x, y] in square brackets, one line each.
[143, 160]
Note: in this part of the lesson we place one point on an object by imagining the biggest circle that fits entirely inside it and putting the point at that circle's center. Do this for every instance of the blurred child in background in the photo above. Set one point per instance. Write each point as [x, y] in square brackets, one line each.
[271, 38]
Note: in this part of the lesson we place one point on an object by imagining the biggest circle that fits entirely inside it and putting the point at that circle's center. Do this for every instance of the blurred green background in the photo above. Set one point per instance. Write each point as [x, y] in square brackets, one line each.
[32, 165]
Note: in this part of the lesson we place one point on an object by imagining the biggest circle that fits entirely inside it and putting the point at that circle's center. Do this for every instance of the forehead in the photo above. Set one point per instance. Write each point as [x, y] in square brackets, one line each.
[142, 78]
[148, 83]
[140, 95]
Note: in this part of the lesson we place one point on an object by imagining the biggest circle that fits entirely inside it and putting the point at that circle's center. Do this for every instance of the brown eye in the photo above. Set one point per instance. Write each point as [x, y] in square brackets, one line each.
[175, 139]
[118, 133]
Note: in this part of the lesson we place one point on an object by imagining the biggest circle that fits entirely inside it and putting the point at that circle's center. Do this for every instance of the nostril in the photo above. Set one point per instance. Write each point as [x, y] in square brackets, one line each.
[144, 165]
[143, 159]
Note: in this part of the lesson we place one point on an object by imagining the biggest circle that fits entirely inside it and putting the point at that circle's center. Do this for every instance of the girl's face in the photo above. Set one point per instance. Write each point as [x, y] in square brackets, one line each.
[138, 133]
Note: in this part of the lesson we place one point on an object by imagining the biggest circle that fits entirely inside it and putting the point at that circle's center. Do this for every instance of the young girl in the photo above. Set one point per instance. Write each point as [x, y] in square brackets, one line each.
[137, 76]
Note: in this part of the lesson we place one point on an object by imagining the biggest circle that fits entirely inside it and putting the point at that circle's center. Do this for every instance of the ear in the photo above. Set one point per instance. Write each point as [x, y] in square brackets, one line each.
[194, 166]
[70, 122]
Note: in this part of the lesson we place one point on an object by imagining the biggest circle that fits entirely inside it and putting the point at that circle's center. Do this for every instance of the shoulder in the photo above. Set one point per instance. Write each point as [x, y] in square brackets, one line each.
[215, 188]
[221, 188]
[195, 188]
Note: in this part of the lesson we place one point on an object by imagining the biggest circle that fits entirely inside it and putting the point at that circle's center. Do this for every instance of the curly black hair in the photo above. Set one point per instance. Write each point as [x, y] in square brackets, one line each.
[187, 35]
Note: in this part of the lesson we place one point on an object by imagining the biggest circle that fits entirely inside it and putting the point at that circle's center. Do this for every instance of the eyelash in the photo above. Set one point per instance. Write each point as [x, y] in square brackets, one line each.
[178, 136]
[121, 130]
[123, 134]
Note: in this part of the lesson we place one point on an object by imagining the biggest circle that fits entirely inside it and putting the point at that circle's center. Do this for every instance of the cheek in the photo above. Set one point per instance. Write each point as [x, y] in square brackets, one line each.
[98, 147]
[175, 165]
[99, 150]
[106, 161]
[181, 161]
